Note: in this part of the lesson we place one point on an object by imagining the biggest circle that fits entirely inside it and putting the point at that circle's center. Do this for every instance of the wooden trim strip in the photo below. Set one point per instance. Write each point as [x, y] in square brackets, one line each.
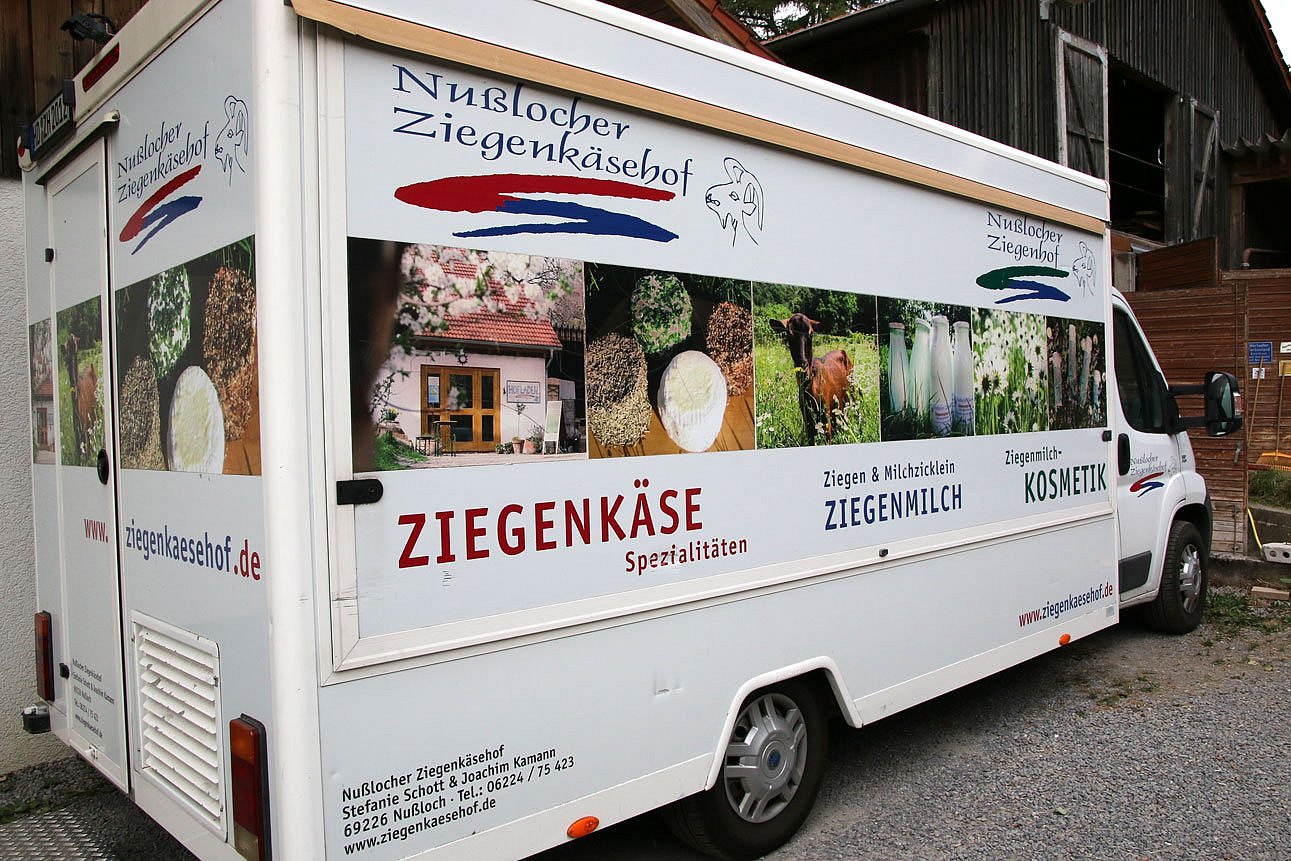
[464, 50]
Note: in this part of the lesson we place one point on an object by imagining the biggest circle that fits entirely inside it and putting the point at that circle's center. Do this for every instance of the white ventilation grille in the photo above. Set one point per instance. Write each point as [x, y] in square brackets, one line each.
[179, 716]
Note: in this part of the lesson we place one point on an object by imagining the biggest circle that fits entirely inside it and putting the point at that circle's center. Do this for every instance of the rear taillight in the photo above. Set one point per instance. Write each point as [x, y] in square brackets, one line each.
[250, 788]
[45, 656]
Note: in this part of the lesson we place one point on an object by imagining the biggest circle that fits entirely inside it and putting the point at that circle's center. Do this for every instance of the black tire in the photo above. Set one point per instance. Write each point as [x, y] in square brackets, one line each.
[773, 727]
[1181, 602]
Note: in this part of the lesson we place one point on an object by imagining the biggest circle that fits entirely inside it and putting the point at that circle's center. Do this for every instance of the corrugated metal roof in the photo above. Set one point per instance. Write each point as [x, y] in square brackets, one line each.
[1263, 146]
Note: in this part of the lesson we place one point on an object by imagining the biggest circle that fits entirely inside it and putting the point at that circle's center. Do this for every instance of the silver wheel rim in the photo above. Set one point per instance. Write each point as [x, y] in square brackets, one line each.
[1190, 578]
[765, 757]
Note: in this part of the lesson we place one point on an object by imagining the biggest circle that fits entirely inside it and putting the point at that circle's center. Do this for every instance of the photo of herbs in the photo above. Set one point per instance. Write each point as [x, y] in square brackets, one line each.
[186, 351]
[926, 370]
[816, 363]
[1010, 353]
[669, 363]
[80, 383]
[1077, 381]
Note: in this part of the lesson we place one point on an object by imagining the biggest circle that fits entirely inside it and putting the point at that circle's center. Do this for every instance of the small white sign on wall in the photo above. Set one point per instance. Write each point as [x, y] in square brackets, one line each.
[522, 392]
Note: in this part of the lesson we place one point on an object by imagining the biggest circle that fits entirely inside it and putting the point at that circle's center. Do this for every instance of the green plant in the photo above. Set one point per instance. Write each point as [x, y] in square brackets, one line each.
[1271, 487]
[1231, 612]
[390, 453]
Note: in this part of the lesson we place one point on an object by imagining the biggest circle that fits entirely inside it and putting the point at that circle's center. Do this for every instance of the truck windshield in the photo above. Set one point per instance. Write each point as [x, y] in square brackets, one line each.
[1140, 384]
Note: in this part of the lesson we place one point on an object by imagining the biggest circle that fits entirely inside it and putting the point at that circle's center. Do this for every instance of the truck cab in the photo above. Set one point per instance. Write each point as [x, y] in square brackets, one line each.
[1164, 514]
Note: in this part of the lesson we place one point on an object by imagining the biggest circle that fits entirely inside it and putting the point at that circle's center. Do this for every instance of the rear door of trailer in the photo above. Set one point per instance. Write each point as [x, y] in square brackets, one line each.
[90, 686]
[160, 555]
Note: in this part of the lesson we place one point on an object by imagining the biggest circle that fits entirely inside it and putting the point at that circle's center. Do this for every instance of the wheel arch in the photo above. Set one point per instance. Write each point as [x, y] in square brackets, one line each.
[1176, 500]
[821, 674]
[1196, 513]
[1200, 516]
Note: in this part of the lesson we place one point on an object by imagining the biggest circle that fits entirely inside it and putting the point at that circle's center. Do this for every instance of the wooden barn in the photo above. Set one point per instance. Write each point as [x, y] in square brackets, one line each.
[1183, 106]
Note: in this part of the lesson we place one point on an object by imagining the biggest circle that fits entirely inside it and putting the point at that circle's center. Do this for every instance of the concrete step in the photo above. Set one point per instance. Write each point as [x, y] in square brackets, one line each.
[1273, 524]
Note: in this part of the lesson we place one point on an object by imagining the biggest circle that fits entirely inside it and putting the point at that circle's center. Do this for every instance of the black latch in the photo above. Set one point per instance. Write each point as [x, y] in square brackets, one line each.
[359, 491]
[35, 719]
[49, 255]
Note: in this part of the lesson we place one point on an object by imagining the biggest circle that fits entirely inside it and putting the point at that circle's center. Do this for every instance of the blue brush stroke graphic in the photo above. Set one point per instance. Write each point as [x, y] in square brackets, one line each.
[1035, 290]
[582, 219]
[1015, 278]
[164, 215]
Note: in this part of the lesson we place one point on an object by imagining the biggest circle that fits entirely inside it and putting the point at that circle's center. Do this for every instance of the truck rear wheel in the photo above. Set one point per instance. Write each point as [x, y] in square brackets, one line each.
[1182, 599]
[771, 773]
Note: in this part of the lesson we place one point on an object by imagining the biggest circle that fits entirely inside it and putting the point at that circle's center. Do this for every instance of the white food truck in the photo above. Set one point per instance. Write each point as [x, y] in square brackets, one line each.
[458, 427]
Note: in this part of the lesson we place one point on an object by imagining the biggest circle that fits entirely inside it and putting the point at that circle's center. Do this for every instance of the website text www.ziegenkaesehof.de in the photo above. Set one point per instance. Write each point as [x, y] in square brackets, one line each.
[1062, 606]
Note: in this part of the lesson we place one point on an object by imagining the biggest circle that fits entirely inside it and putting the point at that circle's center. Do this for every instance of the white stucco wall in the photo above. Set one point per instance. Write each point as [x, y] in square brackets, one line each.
[17, 572]
[405, 394]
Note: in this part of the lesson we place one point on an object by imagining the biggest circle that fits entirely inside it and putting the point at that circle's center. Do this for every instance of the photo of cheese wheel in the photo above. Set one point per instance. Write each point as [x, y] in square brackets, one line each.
[195, 442]
[692, 400]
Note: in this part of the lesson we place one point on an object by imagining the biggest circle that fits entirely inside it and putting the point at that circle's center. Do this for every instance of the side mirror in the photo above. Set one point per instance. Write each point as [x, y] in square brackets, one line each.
[1223, 404]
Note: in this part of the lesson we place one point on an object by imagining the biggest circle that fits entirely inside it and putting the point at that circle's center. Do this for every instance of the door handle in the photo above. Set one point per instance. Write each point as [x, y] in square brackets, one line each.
[105, 468]
[1123, 454]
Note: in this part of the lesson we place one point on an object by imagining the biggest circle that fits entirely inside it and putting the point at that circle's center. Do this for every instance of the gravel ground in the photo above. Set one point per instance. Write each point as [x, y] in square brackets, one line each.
[1124, 745]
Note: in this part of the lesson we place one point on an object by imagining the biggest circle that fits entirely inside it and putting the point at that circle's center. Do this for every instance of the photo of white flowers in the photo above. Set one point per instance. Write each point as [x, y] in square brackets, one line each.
[1010, 368]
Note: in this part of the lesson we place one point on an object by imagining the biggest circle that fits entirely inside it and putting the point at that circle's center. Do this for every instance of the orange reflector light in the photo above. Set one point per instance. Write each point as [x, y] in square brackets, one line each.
[583, 827]
[1064, 639]
[45, 656]
[250, 763]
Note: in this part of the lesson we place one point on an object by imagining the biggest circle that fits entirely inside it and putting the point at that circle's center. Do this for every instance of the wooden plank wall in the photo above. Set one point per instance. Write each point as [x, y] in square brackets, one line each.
[36, 56]
[1192, 264]
[1193, 331]
[1206, 49]
[994, 67]
[1268, 301]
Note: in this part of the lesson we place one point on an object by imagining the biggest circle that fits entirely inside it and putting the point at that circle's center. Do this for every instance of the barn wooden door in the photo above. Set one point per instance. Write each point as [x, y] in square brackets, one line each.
[1081, 78]
[1192, 171]
[1203, 152]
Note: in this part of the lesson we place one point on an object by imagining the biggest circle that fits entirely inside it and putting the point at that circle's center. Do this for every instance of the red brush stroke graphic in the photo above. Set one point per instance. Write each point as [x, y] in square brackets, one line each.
[493, 192]
[139, 220]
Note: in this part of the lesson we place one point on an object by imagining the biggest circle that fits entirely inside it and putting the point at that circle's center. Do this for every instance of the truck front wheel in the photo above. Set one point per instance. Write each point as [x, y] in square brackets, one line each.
[1182, 599]
[771, 772]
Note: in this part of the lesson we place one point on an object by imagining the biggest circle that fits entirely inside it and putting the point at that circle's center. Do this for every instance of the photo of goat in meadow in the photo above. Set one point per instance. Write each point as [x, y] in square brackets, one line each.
[816, 367]
[80, 383]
